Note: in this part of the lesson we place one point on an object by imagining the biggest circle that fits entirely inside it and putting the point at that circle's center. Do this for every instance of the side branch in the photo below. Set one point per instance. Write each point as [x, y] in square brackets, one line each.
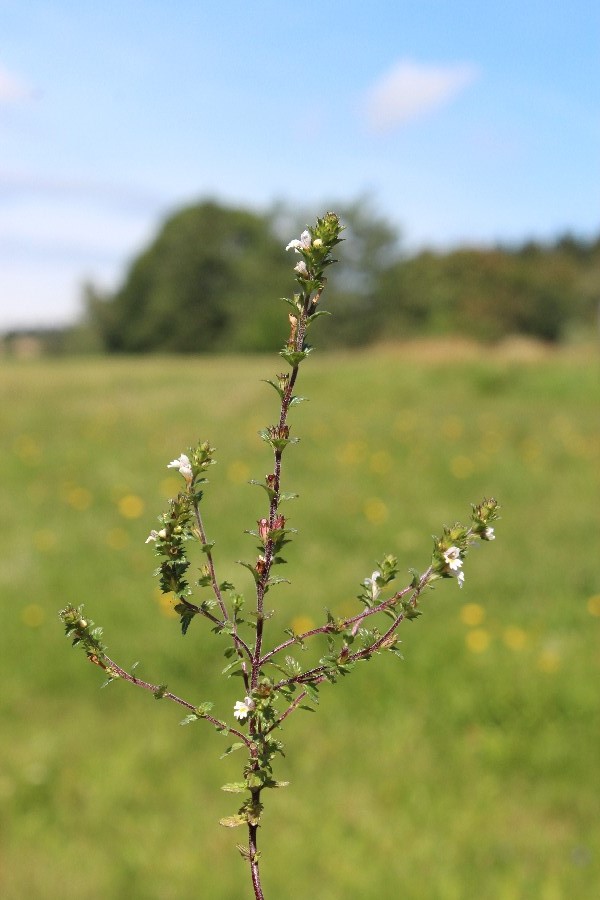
[343, 624]
[210, 561]
[240, 643]
[113, 670]
[320, 673]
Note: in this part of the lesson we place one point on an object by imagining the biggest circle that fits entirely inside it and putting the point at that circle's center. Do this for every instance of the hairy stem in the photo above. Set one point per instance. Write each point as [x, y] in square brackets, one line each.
[112, 669]
[253, 858]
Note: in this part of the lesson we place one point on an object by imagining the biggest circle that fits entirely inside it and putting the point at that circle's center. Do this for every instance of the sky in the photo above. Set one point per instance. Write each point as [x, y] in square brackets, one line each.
[463, 122]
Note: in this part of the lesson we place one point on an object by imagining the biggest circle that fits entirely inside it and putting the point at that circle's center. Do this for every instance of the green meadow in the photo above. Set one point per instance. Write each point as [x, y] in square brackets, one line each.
[469, 769]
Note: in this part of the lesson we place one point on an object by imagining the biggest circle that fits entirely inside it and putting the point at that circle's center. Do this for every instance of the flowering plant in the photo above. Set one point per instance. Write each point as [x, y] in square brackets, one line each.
[275, 684]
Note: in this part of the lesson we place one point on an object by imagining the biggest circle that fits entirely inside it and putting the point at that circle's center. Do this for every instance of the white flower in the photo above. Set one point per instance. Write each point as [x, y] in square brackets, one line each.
[156, 536]
[243, 707]
[302, 244]
[301, 269]
[372, 586]
[454, 563]
[488, 534]
[184, 465]
[452, 559]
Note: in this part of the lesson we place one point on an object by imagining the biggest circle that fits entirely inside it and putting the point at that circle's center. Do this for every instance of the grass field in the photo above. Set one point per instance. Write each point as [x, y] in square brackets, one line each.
[470, 769]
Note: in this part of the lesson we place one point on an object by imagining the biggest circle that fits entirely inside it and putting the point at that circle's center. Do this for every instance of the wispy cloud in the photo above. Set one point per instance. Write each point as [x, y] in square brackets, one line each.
[21, 186]
[410, 90]
[12, 88]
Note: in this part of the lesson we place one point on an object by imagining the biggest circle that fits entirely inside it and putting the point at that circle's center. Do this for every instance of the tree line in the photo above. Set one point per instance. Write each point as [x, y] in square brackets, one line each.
[210, 279]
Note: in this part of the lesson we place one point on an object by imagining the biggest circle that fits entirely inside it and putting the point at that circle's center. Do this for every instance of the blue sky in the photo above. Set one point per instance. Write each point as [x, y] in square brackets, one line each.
[464, 121]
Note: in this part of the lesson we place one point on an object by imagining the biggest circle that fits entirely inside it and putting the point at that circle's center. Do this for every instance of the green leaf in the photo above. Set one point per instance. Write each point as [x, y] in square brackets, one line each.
[265, 487]
[273, 385]
[233, 821]
[226, 586]
[192, 717]
[295, 637]
[312, 692]
[160, 691]
[235, 787]
[232, 665]
[293, 667]
[186, 616]
[296, 304]
[250, 568]
[237, 746]
[206, 548]
[294, 357]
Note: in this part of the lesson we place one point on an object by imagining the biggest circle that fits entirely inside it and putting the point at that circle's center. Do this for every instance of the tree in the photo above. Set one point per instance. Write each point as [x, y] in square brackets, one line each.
[184, 293]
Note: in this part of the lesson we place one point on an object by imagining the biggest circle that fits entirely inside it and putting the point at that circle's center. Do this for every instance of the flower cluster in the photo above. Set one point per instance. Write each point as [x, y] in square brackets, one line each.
[314, 246]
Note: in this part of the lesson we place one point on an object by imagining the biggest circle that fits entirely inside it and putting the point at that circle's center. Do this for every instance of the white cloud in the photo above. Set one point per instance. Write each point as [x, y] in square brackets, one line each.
[49, 246]
[410, 90]
[12, 88]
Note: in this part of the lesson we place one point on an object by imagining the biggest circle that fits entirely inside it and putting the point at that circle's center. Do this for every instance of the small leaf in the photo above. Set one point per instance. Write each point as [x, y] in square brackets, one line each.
[233, 821]
[237, 746]
[292, 665]
[251, 568]
[266, 488]
[193, 717]
[273, 385]
[232, 665]
[312, 692]
[186, 613]
[295, 637]
[235, 787]
[296, 303]
[226, 586]
[293, 357]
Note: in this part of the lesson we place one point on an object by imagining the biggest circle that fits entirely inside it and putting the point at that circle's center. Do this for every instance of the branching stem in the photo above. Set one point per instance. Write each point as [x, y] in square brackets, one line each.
[112, 669]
